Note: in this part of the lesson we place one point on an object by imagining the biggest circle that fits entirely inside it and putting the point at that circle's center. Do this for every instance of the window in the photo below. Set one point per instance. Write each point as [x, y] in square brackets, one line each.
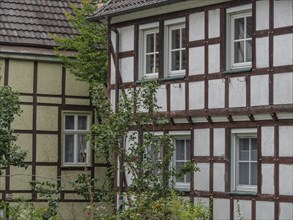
[155, 153]
[244, 160]
[239, 37]
[75, 144]
[149, 53]
[181, 156]
[175, 47]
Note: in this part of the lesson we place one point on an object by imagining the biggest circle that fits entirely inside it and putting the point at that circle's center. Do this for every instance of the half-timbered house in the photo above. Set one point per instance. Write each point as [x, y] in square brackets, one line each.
[56, 108]
[225, 68]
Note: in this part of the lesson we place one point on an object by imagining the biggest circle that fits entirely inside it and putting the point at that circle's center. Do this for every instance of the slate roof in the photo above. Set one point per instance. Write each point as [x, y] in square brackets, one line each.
[117, 7]
[31, 22]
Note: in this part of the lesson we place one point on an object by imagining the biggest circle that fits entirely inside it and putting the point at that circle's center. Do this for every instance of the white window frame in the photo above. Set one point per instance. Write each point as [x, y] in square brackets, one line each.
[179, 135]
[144, 30]
[76, 132]
[235, 134]
[171, 25]
[232, 14]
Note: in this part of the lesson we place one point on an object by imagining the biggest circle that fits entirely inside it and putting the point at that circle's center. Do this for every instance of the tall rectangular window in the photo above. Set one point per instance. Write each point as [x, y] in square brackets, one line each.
[149, 50]
[174, 47]
[181, 156]
[75, 144]
[244, 160]
[239, 37]
[176, 50]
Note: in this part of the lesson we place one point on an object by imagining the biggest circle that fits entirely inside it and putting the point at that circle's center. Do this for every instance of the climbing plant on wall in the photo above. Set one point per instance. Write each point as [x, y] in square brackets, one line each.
[10, 154]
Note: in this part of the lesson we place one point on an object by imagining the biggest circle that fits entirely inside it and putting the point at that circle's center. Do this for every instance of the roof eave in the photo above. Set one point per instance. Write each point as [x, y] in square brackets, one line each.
[107, 16]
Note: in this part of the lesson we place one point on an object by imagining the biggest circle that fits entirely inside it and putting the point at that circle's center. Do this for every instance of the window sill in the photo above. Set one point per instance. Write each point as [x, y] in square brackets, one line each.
[76, 165]
[242, 193]
[182, 187]
[242, 70]
[172, 78]
[151, 79]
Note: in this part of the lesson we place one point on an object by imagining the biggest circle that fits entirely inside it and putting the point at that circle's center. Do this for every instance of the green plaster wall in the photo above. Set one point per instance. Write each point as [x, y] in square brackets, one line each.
[21, 75]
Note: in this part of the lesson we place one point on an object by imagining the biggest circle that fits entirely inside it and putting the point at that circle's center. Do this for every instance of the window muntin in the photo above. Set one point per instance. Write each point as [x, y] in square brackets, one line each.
[76, 146]
[241, 41]
[244, 161]
[176, 50]
[181, 156]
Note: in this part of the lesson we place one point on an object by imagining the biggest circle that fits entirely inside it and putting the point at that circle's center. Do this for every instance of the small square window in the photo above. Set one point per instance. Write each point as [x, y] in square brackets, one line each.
[244, 160]
[75, 143]
[239, 38]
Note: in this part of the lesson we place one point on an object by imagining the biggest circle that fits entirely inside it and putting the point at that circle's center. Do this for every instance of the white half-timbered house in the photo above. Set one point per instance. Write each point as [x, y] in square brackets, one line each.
[225, 68]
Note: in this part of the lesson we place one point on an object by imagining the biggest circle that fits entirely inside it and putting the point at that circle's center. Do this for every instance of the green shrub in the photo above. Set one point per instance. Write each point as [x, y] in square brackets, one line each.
[172, 207]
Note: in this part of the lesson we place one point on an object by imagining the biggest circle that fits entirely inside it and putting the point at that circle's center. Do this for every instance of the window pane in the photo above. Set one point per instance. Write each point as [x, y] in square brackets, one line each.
[248, 51]
[69, 122]
[82, 122]
[69, 148]
[149, 63]
[248, 27]
[239, 52]
[149, 43]
[157, 42]
[243, 173]
[178, 167]
[81, 148]
[243, 149]
[157, 63]
[175, 39]
[183, 38]
[175, 60]
[253, 149]
[187, 178]
[183, 60]
[239, 28]
[253, 174]
[187, 150]
[179, 149]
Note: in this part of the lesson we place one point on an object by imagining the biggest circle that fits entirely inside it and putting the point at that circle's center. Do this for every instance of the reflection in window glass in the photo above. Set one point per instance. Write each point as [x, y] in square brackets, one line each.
[82, 148]
[82, 122]
[69, 122]
[69, 148]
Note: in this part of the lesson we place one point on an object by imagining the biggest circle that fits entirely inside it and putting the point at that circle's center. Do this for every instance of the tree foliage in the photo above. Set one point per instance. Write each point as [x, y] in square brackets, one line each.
[89, 64]
[144, 164]
[10, 154]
